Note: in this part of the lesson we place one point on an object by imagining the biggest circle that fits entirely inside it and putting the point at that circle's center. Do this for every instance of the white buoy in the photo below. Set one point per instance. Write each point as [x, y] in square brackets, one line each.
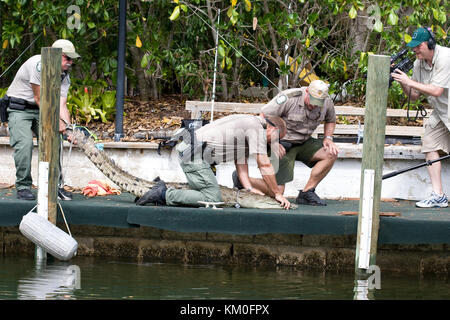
[49, 237]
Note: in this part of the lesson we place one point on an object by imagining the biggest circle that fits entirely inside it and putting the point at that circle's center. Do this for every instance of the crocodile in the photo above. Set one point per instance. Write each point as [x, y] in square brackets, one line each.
[232, 197]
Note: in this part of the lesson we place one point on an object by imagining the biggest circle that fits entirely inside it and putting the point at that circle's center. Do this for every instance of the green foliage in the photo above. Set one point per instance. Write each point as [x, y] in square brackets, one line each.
[3, 92]
[175, 51]
[90, 103]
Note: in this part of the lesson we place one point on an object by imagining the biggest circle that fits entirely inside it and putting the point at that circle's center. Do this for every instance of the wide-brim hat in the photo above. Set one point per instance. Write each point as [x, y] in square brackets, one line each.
[67, 48]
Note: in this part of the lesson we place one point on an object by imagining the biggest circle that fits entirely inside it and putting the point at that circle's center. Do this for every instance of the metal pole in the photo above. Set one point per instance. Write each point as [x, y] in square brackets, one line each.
[215, 69]
[427, 163]
[48, 173]
[121, 70]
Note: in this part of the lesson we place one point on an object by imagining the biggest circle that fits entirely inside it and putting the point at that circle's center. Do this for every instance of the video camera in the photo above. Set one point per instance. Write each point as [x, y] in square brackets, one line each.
[405, 64]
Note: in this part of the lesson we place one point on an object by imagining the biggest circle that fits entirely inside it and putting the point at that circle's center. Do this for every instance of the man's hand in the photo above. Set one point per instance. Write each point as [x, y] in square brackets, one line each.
[283, 201]
[401, 77]
[329, 145]
[70, 138]
[279, 150]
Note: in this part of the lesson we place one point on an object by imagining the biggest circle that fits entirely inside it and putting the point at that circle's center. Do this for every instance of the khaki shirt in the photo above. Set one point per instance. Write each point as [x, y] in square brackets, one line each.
[30, 73]
[439, 75]
[234, 137]
[300, 122]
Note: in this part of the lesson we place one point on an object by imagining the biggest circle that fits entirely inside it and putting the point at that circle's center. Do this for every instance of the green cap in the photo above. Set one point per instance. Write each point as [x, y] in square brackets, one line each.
[419, 36]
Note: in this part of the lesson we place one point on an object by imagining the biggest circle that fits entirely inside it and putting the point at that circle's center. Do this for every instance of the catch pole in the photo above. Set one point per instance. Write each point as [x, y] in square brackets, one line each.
[48, 173]
[215, 68]
[372, 164]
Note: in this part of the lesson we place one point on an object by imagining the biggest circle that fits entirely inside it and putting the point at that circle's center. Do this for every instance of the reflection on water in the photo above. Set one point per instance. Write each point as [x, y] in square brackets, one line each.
[50, 282]
[112, 278]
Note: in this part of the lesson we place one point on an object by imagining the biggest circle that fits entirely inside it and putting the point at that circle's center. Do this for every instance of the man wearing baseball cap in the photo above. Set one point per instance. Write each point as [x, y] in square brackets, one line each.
[23, 114]
[303, 109]
[431, 78]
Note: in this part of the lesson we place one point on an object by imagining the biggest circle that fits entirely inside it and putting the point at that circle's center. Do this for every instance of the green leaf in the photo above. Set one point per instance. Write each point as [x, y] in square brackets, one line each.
[392, 18]
[378, 26]
[175, 13]
[221, 51]
[311, 31]
[144, 61]
[352, 13]
[91, 25]
[229, 62]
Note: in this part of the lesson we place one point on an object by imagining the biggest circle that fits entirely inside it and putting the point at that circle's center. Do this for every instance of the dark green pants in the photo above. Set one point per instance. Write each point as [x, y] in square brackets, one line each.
[22, 125]
[303, 152]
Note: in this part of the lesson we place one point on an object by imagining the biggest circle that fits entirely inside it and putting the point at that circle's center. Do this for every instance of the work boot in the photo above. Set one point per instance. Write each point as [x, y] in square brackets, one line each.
[310, 198]
[25, 194]
[64, 195]
[236, 182]
[156, 195]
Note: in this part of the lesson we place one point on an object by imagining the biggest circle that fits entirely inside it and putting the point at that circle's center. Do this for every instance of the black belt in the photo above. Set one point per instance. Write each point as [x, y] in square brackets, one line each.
[23, 102]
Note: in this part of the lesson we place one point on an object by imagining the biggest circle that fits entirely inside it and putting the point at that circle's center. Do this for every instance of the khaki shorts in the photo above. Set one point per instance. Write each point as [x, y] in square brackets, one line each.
[303, 152]
[436, 139]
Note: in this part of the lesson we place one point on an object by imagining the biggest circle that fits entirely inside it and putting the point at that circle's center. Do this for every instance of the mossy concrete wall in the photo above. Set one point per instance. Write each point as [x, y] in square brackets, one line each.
[319, 252]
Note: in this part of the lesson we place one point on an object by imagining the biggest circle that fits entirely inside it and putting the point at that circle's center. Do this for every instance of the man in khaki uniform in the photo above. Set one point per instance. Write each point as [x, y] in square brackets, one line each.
[232, 138]
[23, 114]
[431, 77]
[304, 109]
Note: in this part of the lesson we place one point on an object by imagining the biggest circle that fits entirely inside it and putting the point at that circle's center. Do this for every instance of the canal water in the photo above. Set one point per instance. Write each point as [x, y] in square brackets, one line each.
[85, 278]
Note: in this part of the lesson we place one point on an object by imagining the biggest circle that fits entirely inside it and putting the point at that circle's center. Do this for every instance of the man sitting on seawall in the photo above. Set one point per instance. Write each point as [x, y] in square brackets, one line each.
[232, 138]
[303, 109]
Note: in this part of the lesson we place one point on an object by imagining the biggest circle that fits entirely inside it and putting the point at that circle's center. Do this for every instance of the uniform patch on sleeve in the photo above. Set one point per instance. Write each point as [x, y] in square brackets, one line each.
[281, 99]
[38, 66]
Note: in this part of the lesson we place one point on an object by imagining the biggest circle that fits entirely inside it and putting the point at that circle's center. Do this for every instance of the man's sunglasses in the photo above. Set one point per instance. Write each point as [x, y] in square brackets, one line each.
[271, 123]
[67, 57]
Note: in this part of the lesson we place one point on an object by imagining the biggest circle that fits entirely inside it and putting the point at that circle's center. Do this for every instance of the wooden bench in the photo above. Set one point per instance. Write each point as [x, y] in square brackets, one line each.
[196, 107]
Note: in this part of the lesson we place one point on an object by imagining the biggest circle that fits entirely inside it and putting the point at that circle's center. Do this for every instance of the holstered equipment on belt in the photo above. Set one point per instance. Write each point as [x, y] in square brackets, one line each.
[287, 145]
[4, 102]
[21, 104]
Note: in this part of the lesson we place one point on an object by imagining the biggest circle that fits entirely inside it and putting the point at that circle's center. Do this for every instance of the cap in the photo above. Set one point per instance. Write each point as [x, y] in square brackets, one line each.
[419, 36]
[318, 91]
[67, 48]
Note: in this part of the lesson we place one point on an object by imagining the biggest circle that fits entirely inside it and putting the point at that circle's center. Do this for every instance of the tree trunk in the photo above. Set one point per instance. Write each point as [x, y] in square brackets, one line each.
[358, 32]
[143, 86]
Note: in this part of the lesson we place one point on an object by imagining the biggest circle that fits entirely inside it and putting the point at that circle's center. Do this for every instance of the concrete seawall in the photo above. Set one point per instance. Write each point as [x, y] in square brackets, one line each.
[318, 252]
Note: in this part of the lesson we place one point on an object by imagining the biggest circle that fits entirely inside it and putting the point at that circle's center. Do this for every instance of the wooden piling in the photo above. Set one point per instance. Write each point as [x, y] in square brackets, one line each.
[49, 122]
[373, 150]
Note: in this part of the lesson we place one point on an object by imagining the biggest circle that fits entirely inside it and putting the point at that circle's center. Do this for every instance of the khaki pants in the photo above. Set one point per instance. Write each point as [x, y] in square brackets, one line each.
[436, 138]
[203, 184]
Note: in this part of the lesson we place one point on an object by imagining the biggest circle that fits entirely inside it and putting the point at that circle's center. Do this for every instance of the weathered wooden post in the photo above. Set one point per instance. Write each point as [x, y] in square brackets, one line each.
[372, 163]
[49, 135]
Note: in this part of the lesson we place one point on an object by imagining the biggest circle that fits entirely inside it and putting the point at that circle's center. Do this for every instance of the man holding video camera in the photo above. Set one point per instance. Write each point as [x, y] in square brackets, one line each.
[431, 77]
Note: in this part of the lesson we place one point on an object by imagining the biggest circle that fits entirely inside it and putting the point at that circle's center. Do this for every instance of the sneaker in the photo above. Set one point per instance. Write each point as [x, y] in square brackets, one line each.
[25, 194]
[236, 182]
[310, 198]
[156, 195]
[433, 201]
[64, 195]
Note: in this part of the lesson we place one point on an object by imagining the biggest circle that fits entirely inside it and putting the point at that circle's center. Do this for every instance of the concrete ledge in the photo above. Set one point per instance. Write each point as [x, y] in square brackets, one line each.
[142, 160]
